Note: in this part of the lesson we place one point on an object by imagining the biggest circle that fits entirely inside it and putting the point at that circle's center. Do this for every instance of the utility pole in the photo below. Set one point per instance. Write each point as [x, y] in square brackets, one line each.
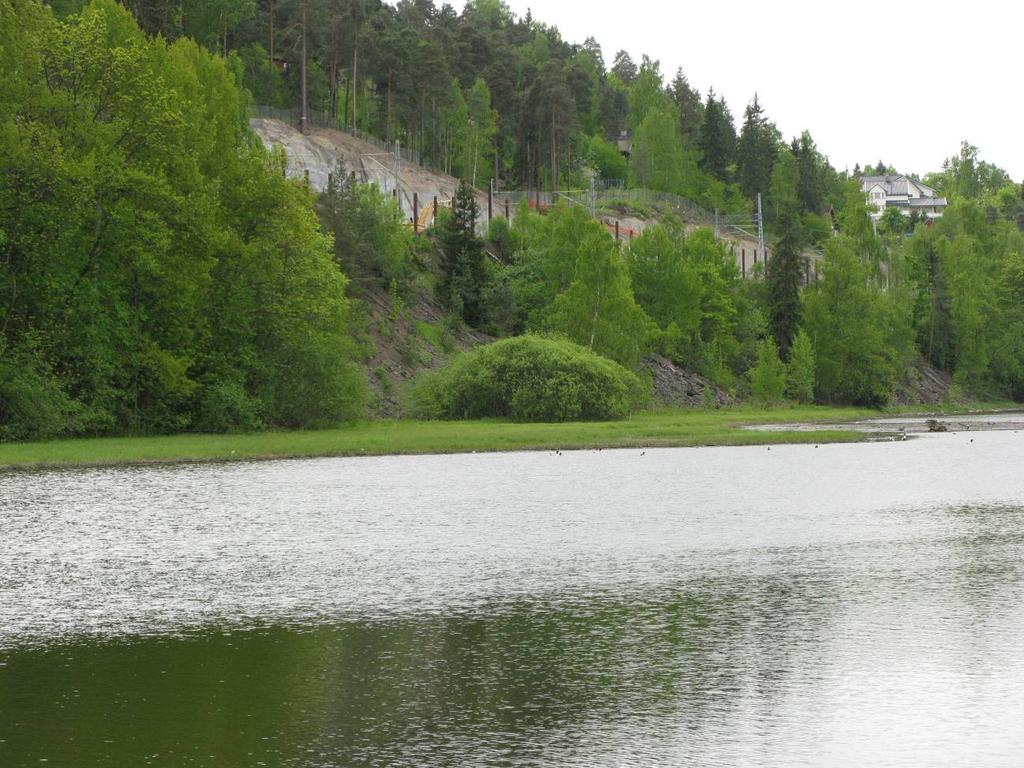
[760, 226]
[397, 170]
[303, 117]
[355, 80]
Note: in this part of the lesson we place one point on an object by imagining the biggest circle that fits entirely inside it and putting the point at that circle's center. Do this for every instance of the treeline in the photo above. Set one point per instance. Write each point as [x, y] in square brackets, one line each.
[486, 95]
[950, 294]
[157, 271]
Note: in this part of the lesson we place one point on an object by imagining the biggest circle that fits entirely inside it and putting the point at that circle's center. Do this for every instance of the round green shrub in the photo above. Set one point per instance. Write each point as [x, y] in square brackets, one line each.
[529, 378]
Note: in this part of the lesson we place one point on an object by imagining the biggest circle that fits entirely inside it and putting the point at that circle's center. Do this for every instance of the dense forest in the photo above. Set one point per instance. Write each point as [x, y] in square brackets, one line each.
[488, 95]
[159, 273]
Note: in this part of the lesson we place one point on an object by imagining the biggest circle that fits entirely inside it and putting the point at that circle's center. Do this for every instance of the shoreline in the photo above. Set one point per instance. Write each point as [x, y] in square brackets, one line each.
[652, 429]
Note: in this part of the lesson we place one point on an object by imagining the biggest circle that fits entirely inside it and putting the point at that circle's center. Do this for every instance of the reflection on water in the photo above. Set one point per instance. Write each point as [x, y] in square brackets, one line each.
[848, 605]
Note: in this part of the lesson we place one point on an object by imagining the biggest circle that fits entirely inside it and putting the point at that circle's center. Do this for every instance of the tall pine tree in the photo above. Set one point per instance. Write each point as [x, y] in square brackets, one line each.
[811, 165]
[463, 270]
[756, 151]
[785, 273]
[717, 138]
[688, 102]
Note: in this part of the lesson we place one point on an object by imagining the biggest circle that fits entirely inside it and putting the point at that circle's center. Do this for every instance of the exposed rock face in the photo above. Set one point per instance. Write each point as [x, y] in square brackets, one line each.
[925, 385]
[400, 349]
[317, 153]
[679, 388]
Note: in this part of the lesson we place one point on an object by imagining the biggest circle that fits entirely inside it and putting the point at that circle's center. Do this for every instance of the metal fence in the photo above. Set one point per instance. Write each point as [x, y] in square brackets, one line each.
[602, 195]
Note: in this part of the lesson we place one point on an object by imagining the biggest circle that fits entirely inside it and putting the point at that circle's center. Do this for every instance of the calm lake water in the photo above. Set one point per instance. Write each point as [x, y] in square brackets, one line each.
[847, 605]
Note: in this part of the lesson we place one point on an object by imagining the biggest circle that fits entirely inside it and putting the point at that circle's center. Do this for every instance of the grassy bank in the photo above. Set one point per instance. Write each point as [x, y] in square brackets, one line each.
[663, 428]
[654, 429]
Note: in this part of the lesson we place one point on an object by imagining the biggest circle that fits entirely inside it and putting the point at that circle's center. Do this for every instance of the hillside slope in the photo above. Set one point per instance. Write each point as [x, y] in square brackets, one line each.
[317, 153]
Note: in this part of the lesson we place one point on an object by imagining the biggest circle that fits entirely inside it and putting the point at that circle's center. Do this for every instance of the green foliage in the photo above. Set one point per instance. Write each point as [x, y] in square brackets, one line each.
[567, 276]
[225, 406]
[210, 22]
[756, 151]
[666, 161]
[162, 274]
[481, 93]
[499, 232]
[785, 273]
[598, 310]
[463, 272]
[893, 223]
[1007, 361]
[499, 300]
[800, 369]
[437, 335]
[371, 241]
[817, 229]
[157, 272]
[768, 377]
[646, 93]
[660, 160]
[783, 197]
[965, 176]
[477, 162]
[544, 263]
[688, 103]
[717, 138]
[688, 285]
[812, 173]
[665, 281]
[262, 79]
[931, 311]
[861, 338]
[529, 378]
[605, 158]
[33, 404]
[963, 274]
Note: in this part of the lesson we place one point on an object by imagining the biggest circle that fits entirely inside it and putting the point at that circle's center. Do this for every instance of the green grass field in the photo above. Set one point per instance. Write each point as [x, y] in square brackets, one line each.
[662, 428]
[659, 428]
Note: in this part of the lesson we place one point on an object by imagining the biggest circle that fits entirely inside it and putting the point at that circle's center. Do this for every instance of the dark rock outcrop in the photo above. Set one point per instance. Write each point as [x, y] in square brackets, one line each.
[676, 387]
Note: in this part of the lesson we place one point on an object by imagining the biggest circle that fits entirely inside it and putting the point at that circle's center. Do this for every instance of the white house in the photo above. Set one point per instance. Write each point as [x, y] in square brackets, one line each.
[902, 193]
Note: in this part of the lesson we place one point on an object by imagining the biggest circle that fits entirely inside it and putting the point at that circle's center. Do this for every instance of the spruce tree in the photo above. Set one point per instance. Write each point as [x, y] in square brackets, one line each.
[463, 270]
[624, 68]
[811, 174]
[756, 151]
[784, 277]
[717, 138]
[689, 106]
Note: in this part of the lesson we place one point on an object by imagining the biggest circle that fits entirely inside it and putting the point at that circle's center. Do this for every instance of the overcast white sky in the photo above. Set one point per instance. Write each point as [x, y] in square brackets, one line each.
[903, 82]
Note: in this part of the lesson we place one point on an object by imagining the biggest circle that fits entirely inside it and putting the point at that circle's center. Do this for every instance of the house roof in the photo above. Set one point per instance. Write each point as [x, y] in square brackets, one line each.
[895, 185]
[927, 202]
[917, 202]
